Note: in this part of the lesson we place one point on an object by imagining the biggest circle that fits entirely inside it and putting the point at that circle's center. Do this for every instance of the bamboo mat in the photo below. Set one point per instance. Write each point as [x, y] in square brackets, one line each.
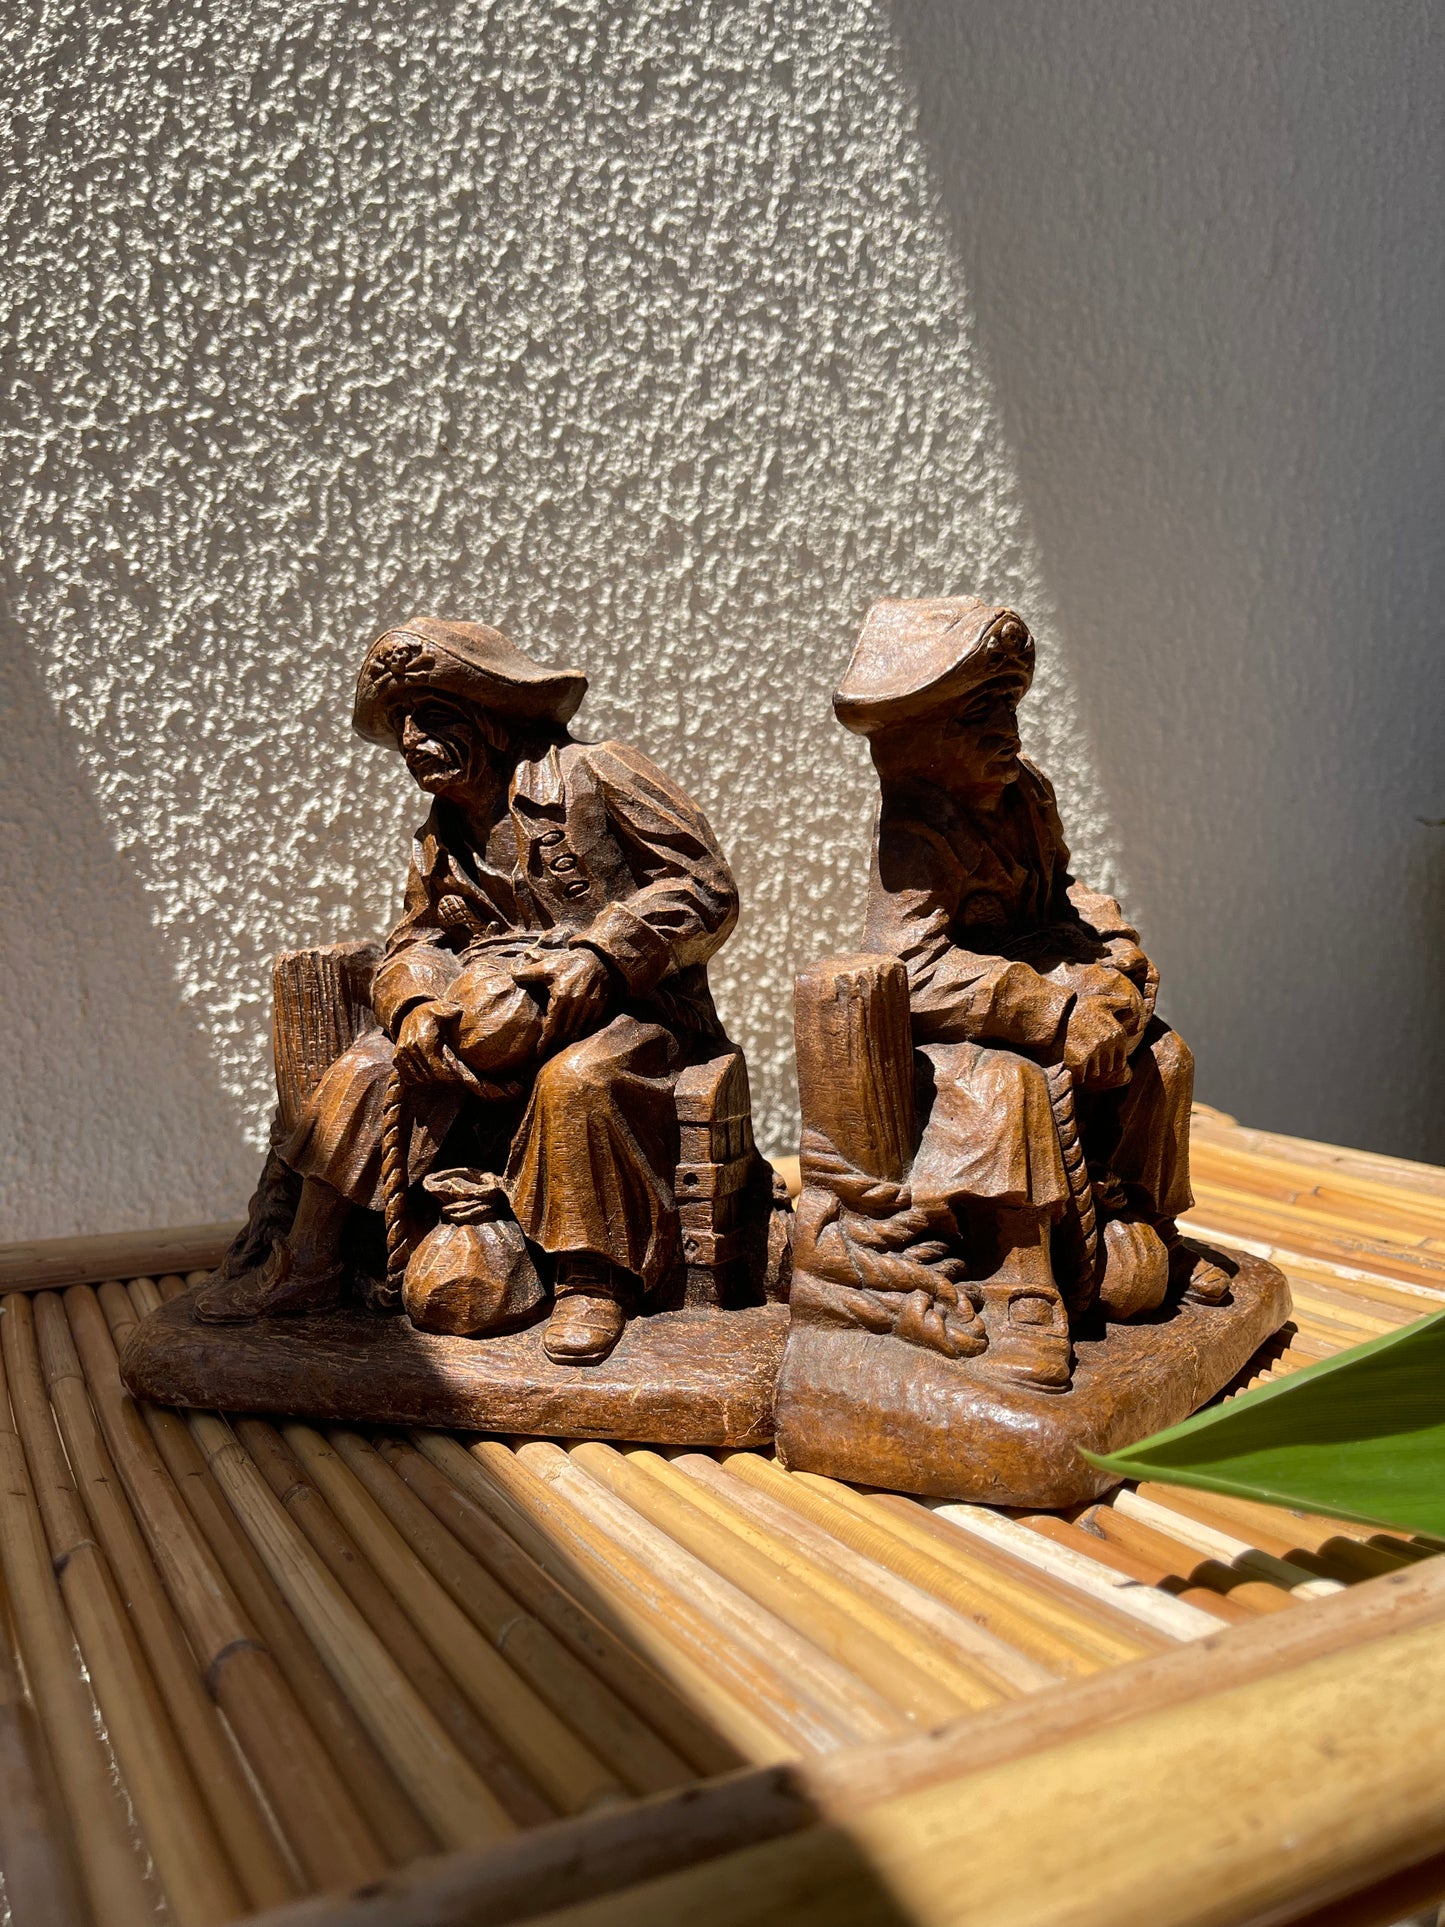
[246, 1662]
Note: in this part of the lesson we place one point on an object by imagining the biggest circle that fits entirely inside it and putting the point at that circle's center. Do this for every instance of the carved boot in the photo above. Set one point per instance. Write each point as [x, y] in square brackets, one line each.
[1136, 1269]
[1028, 1336]
[589, 1314]
[1204, 1279]
[270, 1289]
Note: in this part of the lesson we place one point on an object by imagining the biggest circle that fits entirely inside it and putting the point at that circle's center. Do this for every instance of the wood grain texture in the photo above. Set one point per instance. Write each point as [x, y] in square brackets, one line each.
[855, 1060]
[699, 1376]
[870, 1408]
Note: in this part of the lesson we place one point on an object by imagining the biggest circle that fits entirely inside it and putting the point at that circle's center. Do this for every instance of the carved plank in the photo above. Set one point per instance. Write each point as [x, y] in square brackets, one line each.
[855, 1060]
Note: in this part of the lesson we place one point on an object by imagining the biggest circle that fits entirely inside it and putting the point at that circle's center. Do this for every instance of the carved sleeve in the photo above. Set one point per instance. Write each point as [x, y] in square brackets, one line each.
[685, 902]
[953, 993]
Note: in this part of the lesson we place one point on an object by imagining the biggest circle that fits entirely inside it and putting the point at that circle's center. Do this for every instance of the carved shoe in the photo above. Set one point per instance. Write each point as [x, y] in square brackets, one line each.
[271, 1288]
[1205, 1281]
[1028, 1337]
[588, 1315]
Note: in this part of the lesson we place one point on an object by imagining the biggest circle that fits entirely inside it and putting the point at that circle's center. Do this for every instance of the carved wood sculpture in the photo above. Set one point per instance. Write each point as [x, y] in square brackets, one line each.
[988, 1273]
[512, 1181]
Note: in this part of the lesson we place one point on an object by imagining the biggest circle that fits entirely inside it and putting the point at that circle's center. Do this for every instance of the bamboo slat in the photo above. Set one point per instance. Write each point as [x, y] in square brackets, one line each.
[742, 1692]
[456, 1491]
[1224, 1546]
[1066, 1557]
[1136, 1579]
[568, 1771]
[110, 1869]
[381, 1608]
[199, 1884]
[617, 1736]
[324, 1830]
[443, 1786]
[1030, 1619]
[253, 1848]
[1172, 1560]
[943, 1636]
[787, 1582]
[52, 1263]
[42, 1883]
[813, 1692]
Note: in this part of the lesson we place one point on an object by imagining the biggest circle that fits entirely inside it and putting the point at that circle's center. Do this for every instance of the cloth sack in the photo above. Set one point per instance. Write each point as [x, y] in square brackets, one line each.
[472, 1272]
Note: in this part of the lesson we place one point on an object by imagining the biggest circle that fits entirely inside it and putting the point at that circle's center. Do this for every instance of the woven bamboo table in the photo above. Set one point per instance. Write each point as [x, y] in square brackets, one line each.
[339, 1679]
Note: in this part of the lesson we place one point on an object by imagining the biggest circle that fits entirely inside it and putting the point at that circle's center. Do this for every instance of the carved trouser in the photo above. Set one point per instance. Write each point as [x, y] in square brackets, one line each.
[990, 1133]
[589, 1160]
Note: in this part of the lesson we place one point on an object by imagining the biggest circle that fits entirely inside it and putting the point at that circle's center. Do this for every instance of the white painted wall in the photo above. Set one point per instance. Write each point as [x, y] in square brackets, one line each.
[665, 337]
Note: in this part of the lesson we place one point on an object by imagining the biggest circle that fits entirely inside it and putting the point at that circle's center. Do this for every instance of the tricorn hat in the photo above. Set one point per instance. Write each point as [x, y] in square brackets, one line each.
[912, 658]
[466, 660]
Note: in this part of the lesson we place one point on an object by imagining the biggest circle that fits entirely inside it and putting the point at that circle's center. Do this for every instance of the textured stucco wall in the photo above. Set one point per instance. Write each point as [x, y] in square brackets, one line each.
[665, 336]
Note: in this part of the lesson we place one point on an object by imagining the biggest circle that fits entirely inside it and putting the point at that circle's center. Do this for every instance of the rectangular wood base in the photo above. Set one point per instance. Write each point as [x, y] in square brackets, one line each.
[879, 1411]
[700, 1376]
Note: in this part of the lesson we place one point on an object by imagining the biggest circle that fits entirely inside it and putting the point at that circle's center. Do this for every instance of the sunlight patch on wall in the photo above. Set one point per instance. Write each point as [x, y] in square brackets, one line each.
[637, 332]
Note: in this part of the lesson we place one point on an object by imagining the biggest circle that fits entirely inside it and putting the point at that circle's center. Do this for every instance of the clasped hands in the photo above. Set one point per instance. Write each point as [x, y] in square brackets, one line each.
[574, 983]
[1109, 1018]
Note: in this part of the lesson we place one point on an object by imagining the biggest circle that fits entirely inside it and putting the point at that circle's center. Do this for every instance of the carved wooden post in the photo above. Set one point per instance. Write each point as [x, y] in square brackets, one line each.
[320, 1004]
[855, 1060]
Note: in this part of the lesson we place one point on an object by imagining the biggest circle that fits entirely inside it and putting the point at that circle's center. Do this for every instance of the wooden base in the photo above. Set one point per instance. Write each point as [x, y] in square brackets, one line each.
[881, 1412]
[695, 1377]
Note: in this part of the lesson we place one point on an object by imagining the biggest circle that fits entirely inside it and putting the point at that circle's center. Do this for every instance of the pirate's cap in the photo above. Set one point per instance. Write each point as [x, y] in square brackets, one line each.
[912, 658]
[465, 660]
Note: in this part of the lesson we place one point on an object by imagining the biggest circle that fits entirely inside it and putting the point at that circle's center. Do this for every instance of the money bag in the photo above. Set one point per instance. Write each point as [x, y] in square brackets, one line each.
[472, 1272]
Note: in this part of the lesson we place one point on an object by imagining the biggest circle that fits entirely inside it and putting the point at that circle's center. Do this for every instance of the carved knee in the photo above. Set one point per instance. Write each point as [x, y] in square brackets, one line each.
[569, 1078]
[1174, 1059]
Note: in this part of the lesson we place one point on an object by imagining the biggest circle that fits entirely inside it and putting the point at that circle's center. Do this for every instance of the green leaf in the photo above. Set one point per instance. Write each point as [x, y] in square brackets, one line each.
[1358, 1436]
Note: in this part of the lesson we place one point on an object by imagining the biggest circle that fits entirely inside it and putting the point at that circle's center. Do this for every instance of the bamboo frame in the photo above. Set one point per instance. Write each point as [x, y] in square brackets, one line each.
[50, 1264]
[1204, 1700]
[647, 1611]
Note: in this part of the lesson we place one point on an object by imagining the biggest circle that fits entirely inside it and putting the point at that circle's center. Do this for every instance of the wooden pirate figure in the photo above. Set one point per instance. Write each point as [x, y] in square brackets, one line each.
[1052, 1102]
[534, 1007]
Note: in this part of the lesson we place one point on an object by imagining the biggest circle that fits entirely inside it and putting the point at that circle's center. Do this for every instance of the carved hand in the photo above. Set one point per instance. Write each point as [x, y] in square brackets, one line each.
[1096, 1044]
[576, 987]
[423, 1055]
[1129, 960]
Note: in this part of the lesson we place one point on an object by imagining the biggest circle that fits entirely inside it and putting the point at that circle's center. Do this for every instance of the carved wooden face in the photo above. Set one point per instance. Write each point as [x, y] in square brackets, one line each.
[971, 750]
[445, 747]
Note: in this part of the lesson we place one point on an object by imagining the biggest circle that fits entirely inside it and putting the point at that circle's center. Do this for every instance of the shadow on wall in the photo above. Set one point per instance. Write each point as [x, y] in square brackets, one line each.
[109, 1078]
[1203, 251]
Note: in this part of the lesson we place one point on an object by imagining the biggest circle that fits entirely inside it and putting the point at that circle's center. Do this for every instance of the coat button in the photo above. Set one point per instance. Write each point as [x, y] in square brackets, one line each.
[577, 889]
[549, 837]
[561, 863]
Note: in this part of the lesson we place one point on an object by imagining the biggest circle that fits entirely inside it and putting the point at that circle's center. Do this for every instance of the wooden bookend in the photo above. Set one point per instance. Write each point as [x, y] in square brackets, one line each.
[988, 1273]
[501, 1190]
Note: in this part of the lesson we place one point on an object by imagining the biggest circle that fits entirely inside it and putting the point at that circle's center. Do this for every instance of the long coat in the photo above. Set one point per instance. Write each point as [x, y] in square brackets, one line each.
[596, 848]
[999, 940]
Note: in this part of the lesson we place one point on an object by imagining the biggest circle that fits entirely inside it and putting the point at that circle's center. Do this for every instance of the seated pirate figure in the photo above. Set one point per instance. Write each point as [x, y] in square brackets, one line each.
[543, 989]
[1047, 1086]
